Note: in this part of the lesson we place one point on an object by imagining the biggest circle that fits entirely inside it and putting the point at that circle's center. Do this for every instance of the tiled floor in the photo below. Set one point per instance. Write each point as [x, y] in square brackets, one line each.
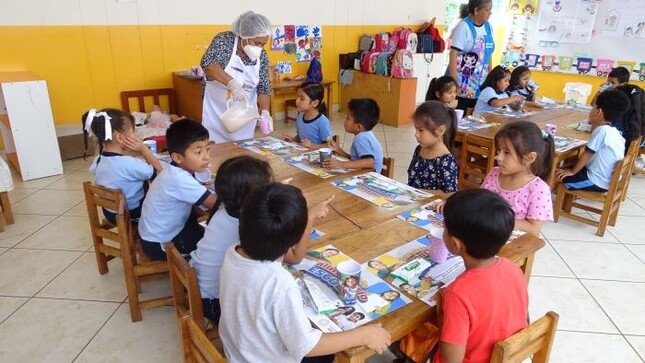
[55, 307]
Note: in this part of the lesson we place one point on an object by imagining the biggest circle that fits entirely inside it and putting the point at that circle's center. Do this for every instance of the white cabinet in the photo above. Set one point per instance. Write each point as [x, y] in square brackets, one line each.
[427, 67]
[27, 125]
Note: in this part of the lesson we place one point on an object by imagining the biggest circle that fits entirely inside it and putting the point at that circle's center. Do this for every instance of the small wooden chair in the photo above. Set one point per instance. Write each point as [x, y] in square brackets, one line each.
[288, 104]
[610, 200]
[477, 158]
[197, 347]
[388, 168]
[156, 94]
[536, 341]
[522, 251]
[185, 290]
[135, 264]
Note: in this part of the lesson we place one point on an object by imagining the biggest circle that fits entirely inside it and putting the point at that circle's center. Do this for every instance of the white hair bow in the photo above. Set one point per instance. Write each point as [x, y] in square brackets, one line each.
[91, 114]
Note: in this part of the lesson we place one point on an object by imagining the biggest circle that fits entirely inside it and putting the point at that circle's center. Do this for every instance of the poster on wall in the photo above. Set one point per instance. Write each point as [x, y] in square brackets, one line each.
[278, 38]
[522, 7]
[303, 46]
[567, 21]
[624, 19]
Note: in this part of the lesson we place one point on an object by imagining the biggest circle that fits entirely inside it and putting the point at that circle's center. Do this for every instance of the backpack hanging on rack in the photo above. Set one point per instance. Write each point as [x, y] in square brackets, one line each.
[403, 64]
[314, 72]
[438, 45]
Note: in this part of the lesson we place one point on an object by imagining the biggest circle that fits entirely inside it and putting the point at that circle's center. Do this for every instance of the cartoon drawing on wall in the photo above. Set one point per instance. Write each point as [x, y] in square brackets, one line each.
[278, 38]
[522, 7]
[624, 18]
[565, 63]
[611, 20]
[290, 33]
[566, 21]
[584, 65]
[603, 67]
[284, 67]
[289, 48]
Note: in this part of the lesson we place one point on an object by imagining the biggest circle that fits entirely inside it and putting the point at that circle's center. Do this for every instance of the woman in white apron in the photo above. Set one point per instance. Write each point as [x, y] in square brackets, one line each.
[236, 66]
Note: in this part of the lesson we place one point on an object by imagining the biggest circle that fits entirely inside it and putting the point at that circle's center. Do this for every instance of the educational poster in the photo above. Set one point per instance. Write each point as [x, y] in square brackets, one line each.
[472, 124]
[271, 147]
[315, 31]
[624, 19]
[412, 270]
[509, 112]
[563, 144]
[303, 45]
[278, 38]
[289, 39]
[380, 190]
[284, 67]
[317, 277]
[567, 21]
[310, 162]
[523, 7]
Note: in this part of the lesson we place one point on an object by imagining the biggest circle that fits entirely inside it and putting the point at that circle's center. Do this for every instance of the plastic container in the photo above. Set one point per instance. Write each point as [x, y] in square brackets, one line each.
[240, 114]
[576, 93]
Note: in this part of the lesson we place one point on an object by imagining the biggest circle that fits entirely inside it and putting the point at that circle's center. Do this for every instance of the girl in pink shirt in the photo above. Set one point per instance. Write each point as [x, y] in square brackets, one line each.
[524, 160]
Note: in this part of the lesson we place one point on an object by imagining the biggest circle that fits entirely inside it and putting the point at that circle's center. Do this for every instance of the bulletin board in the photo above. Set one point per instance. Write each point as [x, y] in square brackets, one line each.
[588, 37]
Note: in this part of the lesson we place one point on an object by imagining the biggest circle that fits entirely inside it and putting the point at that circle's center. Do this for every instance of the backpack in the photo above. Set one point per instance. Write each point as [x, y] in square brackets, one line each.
[382, 66]
[403, 64]
[382, 41]
[406, 39]
[366, 43]
[425, 43]
[368, 63]
[438, 44]
[314, 72]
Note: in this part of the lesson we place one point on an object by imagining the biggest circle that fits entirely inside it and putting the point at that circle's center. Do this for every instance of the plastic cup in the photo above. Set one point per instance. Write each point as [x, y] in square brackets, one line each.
[438, 251]
[349, 278]
[550, 129]
[265, 126]
[460, 114]
[204, 176]
[152, 145]
[324, 154]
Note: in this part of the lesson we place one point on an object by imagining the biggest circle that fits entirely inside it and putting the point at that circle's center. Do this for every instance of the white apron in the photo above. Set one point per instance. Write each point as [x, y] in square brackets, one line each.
[216, 97]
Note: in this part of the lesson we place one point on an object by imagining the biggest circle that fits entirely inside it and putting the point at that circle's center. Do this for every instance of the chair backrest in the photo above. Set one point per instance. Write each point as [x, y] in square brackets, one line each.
[388, 168]
[197, 346]
[536, 340]
[112, 199]
[185, 289]
[155, 94]
[477, 158]
[522, 251]
[622, 172]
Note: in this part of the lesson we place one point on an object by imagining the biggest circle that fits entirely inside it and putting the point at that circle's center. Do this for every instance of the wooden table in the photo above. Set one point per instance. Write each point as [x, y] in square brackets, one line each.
[283, 87]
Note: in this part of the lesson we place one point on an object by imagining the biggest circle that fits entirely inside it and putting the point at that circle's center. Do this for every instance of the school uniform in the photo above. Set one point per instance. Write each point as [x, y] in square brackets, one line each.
[317, 130]
[515, 90]
[366, 145]
[166, 214]
[486, 96]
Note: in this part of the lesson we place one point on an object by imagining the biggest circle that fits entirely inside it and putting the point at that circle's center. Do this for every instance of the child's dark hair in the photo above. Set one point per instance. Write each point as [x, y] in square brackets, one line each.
[620, 73]
[517, 73]
[526, 137]
[237, 177]
[273, 219]
[634, 117]
[365, 111]
[181, 134]
[119, 121]
[439, 85]
[497, 73]
[613, 104]
[316, 92]
[480, 219]
[434, 114]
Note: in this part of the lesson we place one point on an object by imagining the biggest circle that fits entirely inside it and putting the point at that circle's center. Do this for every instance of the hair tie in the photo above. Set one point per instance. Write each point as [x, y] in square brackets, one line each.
[545, 135]
[91, 114]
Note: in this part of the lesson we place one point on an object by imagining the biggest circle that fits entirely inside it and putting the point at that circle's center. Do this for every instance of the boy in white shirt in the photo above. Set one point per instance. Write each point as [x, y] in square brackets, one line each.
[263, 318]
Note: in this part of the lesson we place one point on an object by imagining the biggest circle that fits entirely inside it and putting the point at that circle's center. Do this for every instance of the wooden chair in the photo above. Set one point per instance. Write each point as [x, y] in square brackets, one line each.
[6, 210]
[185, 290]
[536, 341]
[288, 104]
[637, 150]
[610, 200]
[197, 347]
[135, 264]
[476, 159]
[522, 251]
[388, 168]
[155, 94]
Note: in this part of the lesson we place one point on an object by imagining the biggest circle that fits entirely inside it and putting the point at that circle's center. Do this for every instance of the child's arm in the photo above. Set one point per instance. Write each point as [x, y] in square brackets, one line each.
[452, 353]
[136, 145]
[531, 226]
[533, 104]
[373, 336]
[501, 102]
[334, 146]
[209, 202]
[287, 137]
[582, 160]
[310, 145]
[318, 211]
[366, 163]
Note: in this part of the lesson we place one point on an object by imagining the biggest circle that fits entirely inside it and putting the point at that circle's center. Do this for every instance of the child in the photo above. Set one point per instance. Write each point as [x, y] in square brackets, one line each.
[166, 215]
[263, 319]
[236, 178]
[606, 146]
[631, 123]
[489, 301]
[114, 130]
[521, 84]
[444, 90]
[433, 167]
[314, 128]
[493, 91]
[524, 161]
[366, 152]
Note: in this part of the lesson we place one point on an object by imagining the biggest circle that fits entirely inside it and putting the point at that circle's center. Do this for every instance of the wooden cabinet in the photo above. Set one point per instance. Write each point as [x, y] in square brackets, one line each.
[188, 92]
[27, 125]
[396, 97]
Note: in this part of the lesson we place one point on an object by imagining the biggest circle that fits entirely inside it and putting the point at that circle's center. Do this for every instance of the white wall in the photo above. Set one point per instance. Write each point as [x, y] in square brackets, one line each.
[147, 12]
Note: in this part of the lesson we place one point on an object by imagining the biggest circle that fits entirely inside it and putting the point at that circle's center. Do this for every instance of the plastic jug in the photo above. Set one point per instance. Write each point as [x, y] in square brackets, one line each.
[240, 114]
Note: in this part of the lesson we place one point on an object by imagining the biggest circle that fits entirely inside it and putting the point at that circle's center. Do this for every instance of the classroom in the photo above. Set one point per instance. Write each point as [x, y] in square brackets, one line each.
[419, 181]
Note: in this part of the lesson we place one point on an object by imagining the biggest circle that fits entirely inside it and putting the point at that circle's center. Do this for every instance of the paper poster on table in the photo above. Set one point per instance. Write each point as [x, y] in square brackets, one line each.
[623, 19]
[380, 190]
[318, 280]
[563, 144]
[473, 125]
[568, 21]
[278, 38]
[271, 147]
[411, 269]
[310, 162]
[507, 111]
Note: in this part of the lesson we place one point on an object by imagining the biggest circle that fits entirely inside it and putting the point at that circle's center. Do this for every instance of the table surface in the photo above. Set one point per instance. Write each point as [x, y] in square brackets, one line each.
[363, 231]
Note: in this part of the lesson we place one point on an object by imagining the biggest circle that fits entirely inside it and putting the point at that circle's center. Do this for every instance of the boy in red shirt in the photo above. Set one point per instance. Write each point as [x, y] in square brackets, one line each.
[489, 301]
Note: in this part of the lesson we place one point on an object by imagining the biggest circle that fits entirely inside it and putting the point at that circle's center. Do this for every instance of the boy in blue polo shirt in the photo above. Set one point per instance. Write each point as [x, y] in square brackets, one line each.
[166, 215]
[366, 152]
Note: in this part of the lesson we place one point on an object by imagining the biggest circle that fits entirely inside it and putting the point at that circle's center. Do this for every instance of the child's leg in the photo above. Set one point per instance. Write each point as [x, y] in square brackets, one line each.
[580, 181]
[111, 217]
[153, 250]
[211, 309]
[186, 240]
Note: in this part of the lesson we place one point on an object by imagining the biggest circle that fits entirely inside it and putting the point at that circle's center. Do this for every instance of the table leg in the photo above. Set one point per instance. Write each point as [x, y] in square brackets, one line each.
[6, 207]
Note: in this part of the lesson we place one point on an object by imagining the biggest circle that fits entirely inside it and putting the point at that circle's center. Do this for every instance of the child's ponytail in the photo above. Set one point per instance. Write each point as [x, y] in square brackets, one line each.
[103, 123]
[547, 157]
[451, 133]
[316, 92]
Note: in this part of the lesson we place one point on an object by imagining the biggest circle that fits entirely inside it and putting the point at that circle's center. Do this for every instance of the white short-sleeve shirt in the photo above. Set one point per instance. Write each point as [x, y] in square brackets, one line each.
[263, 318]
[317, 130]
[168, 204]
[485, 97]
[608, 147]
[365, 144]
[116, 171]
[462, 38]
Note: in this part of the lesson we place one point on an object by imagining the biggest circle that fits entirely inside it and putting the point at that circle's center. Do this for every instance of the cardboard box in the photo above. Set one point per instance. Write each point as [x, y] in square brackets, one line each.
[70, 142]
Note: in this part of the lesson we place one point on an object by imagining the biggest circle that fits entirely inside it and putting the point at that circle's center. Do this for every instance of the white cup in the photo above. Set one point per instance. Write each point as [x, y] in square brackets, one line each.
[203, 176]
[460, 114]
[152, 145]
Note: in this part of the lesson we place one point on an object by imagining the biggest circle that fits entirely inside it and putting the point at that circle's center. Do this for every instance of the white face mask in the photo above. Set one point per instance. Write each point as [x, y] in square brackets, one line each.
[252, 51]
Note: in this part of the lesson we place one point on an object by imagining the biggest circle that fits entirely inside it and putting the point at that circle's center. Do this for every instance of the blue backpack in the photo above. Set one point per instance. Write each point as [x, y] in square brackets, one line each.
[314, 72]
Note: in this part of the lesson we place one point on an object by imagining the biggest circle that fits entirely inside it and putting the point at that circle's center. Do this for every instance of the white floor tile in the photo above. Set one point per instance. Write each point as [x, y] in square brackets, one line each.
[18, 194]
[574, 347]
[628, 229]
[154, 339]
[567, 297]
[638, 250]
[638, 342]
[9, 304]
[79, 210]
[82, 281]
[603, 261]
[623, 302]
[548, 263]
[24, 272]
[70, 166]
[72, 181]
[25, 225]
[45, 330]
[34, 183]
[570, 230]
[48, 202]
[63, 233]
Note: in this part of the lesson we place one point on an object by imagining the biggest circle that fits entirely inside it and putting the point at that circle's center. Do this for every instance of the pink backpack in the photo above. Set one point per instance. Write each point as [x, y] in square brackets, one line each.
[382, 41]
[403, 64]
[368, 63]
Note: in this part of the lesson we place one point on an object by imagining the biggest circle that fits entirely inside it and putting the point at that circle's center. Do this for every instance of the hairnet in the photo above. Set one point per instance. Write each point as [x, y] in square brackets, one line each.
[251, 25]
